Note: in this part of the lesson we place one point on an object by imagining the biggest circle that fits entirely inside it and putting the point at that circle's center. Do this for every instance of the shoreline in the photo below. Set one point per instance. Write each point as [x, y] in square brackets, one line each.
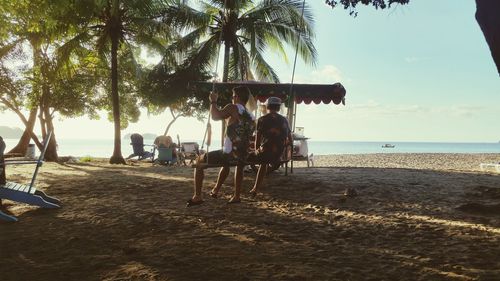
[432, 161]
[104, 148]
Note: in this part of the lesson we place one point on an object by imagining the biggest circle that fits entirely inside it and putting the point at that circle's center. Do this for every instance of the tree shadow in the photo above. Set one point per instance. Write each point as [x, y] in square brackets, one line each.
[130, 223]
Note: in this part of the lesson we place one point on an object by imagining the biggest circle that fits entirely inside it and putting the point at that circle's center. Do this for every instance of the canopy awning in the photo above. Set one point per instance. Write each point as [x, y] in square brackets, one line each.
[306, 93]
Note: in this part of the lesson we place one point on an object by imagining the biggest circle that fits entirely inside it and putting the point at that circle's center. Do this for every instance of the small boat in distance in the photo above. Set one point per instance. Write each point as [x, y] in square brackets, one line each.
[388, 145]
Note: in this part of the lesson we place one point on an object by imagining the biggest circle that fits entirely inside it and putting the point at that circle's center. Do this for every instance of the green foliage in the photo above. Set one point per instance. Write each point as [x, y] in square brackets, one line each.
[351, 4]
[86, 159]
[163, 87]
[245, 31]
[38, 36]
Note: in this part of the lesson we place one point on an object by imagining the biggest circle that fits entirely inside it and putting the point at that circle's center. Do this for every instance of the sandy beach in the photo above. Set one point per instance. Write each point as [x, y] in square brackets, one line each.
[415, 217]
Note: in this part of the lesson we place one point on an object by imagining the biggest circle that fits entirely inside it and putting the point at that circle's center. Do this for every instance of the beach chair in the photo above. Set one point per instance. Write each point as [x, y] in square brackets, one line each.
[137, 142]
[189, 151]
[21, 192]
[165, 156]
[487, 166]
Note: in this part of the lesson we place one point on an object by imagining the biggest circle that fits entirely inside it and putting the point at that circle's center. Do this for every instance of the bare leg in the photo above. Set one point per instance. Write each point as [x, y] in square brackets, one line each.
[223, 173]
[238, 178]
[259, 179]
[198, 183]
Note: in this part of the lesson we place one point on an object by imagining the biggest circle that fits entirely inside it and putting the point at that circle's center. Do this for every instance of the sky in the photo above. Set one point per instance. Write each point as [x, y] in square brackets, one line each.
[420, 72]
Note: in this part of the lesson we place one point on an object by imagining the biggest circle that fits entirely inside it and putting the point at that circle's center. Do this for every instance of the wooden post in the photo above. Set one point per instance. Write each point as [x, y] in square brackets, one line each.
[290, 117]
[290, 112]
[3, 179]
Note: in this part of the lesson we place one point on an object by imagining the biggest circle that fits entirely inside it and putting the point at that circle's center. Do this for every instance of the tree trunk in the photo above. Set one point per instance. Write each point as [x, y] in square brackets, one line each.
[171, 122]
[488, 19]
[117, 157]
[51, 153]
[23, 119]
[225, 77]
[22, 145]
[225, 74]
[46, 118]
[42, 122]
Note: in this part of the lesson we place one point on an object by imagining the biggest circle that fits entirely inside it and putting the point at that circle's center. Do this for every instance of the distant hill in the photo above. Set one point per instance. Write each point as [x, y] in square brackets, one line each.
[148, 136]
[10, 132]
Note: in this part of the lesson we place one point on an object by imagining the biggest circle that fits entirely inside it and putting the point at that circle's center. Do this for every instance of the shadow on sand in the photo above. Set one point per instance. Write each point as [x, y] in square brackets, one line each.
[130, 223]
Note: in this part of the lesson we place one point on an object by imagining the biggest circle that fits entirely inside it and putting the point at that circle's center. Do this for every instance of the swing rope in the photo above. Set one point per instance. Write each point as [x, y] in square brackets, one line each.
[291, 95]
[208, 131]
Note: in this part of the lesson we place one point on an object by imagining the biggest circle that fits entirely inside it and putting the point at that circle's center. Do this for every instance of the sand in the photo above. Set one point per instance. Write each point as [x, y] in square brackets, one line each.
[416, 217]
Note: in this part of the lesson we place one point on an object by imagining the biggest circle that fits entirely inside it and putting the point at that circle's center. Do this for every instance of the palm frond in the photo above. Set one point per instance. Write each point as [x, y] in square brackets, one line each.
[180, 47]
[9, 47]
[184, 17]
[263, 70]
[204, 55]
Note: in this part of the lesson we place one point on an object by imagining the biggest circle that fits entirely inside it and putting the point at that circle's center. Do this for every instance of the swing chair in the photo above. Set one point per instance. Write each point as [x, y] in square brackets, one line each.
[289, 92]
[301, 93]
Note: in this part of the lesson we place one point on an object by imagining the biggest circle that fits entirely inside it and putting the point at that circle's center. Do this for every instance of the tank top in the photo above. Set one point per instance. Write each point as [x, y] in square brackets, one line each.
[237, 139]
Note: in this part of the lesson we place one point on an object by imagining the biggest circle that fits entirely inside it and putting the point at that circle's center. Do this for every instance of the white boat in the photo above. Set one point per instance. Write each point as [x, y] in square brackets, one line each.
[388, 145]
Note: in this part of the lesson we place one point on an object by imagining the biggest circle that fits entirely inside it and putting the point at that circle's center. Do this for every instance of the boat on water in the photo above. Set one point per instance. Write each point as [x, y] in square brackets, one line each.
[388, 145]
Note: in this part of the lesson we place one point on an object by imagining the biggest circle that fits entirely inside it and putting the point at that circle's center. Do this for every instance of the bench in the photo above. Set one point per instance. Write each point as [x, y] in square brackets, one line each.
[24, 193]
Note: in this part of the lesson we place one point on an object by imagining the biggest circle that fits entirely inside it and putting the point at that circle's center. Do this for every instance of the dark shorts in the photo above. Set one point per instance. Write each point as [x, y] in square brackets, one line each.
[217, 157]
[263, 158]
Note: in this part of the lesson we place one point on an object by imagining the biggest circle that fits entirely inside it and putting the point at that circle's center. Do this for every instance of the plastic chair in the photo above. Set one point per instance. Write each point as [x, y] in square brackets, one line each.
[137, 142]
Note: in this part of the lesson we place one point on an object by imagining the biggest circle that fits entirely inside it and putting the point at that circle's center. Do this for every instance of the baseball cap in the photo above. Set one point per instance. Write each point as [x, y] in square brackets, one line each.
[273, 100]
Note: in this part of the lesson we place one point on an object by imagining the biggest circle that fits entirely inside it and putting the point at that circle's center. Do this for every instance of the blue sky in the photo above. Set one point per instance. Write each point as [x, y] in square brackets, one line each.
[420, 72]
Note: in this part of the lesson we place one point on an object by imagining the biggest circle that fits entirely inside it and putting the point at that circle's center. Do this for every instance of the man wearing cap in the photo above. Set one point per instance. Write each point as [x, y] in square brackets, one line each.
[273, 135]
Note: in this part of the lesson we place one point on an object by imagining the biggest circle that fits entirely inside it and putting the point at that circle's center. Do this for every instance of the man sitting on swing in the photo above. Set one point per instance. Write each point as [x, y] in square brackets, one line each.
[273, 137]
[240, 127]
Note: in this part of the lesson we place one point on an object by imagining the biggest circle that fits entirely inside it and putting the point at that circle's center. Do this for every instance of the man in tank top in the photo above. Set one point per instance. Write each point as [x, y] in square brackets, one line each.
[240, 127]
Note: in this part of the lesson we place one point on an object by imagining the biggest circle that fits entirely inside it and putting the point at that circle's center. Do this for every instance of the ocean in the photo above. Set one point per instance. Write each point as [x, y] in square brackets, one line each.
[104, 147]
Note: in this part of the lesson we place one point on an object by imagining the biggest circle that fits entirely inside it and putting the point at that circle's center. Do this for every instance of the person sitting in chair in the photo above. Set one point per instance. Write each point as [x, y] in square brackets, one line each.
[273, 136]
[166, 142]
[240, 126]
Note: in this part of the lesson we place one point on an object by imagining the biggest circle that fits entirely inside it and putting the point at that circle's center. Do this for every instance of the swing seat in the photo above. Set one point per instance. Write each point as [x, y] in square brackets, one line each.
[286, 156]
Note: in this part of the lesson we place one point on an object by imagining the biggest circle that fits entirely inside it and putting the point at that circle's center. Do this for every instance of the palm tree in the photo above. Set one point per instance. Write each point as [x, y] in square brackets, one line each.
[116, 27]
[246, 30]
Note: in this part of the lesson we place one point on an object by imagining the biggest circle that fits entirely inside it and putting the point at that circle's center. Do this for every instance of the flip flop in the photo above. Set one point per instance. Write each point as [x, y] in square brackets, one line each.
[213, 195]
[234, 201]
[191, 203]
[253, 194]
